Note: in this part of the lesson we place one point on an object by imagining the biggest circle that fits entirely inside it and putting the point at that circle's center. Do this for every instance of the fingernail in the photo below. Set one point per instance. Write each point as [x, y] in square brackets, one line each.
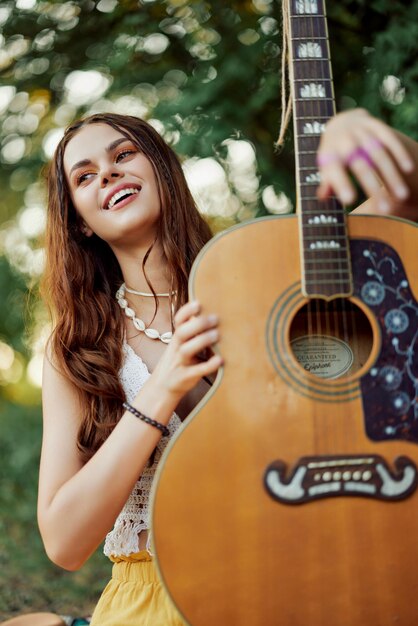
[384, 206]
[408, 166]
[402, 192]
[195, 305]
[346, 196]
[214, 335]
[213, 319]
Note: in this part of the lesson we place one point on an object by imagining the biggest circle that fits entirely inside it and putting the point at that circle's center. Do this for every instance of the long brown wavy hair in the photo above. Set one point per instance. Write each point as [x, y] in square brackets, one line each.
[82, 276]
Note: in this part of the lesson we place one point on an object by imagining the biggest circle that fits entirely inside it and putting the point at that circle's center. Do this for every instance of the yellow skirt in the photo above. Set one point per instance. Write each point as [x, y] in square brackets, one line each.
[135, 596]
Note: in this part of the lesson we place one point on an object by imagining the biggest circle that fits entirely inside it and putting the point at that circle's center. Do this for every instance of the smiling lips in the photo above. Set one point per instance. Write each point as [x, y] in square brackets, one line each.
[119, 195]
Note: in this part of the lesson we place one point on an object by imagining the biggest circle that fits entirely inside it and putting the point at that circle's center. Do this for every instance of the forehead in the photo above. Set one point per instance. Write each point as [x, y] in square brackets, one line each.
[89, 143]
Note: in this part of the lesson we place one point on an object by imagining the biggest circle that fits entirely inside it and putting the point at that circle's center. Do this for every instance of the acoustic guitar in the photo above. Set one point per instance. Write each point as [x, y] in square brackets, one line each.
[290, 496]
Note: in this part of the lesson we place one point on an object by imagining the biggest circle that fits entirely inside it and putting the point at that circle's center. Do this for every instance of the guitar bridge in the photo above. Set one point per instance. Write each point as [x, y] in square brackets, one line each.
[324, 477]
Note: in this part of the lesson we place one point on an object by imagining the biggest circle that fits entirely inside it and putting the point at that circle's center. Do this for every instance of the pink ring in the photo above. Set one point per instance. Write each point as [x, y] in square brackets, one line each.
[359, 153]
[325, 159]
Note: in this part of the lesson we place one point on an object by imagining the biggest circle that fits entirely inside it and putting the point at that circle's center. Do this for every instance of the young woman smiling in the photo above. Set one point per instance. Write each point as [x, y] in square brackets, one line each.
[123, 365]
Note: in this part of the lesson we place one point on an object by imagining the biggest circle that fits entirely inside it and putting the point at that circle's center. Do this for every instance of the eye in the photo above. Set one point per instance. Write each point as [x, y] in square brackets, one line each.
[124, 153]
[81, 178]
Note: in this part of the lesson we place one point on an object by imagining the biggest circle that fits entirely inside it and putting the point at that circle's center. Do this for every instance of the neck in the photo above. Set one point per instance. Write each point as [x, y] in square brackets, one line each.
[131, 264]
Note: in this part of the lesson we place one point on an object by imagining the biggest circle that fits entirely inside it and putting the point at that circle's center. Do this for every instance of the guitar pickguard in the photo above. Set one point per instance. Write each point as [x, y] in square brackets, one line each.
[390, 388]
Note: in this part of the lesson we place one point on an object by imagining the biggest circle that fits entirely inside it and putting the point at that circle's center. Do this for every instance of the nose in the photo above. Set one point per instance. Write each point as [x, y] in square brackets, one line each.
[109, 173]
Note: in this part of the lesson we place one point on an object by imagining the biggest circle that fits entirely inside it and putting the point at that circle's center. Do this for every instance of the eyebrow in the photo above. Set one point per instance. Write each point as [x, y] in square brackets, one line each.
[109, 148]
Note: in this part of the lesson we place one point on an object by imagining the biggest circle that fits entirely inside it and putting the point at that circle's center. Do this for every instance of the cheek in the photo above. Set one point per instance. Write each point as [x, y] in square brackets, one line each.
[84, 200]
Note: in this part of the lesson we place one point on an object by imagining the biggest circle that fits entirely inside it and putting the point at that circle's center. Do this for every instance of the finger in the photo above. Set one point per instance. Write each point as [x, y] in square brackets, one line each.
[365, 175]
[334, 176]
[204, 368]
[196, 325]
[324, 190]
[393, 144]
[374, 154]
[186, 312]
[195, 345]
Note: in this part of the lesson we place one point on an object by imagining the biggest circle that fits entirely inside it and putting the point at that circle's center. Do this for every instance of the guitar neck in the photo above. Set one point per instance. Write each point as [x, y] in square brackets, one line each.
[326, 268]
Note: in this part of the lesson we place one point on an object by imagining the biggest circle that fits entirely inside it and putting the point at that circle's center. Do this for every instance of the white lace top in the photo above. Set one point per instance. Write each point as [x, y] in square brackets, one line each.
[135, 515]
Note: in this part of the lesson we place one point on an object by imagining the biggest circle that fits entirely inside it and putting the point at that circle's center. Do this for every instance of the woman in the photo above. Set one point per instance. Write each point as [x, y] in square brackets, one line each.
[122, 234]
[119, 212]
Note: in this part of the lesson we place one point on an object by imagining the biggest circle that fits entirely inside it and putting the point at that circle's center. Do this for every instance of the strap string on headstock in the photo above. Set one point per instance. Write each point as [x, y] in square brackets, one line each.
[286, 94]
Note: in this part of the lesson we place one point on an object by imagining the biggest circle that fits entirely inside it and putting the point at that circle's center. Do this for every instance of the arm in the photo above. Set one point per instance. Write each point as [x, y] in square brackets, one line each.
[77, 504]
[383, 160]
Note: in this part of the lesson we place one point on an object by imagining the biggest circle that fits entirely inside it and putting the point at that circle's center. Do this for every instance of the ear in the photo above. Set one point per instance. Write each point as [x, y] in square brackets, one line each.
[86, 230]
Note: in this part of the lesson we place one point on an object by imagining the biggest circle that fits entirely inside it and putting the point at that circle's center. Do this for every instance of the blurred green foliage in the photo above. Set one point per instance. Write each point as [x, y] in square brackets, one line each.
[28, 580]
[208, 71]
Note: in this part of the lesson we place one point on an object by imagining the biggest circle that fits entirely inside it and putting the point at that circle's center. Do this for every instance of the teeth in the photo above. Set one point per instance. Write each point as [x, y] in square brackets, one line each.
[119, 194]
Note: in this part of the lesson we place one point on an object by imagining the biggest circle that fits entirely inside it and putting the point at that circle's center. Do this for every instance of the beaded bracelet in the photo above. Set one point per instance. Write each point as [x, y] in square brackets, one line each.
[146, 419]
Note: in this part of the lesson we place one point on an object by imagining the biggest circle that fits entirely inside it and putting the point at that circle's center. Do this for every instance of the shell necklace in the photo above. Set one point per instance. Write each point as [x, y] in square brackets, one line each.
[139, 324]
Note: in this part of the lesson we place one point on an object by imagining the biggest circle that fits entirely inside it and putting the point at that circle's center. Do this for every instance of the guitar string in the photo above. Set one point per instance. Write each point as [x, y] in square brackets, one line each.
[338, 305]
[324, 72]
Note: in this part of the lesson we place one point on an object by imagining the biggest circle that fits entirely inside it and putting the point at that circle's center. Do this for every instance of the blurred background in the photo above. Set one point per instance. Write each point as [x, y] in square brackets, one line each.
[206, 74]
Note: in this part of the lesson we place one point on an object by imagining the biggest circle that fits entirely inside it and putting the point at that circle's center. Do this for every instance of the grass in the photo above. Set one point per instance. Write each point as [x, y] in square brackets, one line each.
[28, 580]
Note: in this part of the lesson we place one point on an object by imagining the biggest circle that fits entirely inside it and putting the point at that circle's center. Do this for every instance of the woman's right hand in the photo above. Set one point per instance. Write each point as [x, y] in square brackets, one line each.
[180, 369]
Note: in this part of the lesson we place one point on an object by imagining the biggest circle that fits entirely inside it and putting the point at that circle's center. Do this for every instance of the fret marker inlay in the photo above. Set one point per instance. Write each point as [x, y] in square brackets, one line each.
[313, 90]
[310, 50]
[308, 7]
[313, 178]
[324, 245]
[322, 219]
[313, 128]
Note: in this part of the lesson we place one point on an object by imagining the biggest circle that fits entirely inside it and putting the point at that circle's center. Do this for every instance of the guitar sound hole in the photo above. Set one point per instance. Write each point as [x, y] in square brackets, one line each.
[331, 339]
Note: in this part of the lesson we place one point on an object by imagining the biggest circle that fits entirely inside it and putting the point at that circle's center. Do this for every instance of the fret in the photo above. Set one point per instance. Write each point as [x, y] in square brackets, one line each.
[321, 218]
[326, 236]
[339, 254]
[309, 212]
[309, 117]
[298, 80]
[314, 212]
[328, 290]
[326, 281]
[311, 36]
[319, 264]
[306, 99]
[327, 271]
[305, 59]
[299, 17]
[311, 198]
[320, 226]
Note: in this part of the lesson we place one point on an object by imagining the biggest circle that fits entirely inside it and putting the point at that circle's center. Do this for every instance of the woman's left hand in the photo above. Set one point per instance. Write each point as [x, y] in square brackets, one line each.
[376, 155]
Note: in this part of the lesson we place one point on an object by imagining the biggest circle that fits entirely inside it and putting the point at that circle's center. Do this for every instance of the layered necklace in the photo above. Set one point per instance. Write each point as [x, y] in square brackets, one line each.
[139, 324]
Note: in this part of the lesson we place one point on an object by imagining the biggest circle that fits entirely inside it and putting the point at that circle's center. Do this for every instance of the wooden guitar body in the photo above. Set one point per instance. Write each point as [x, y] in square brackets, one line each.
[281, 501]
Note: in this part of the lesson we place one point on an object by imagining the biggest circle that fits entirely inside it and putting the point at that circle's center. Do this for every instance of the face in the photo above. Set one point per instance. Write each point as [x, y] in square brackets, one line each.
[113, 186]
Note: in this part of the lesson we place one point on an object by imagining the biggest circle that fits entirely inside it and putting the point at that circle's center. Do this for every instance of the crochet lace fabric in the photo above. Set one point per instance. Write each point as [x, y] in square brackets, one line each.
[135, 516]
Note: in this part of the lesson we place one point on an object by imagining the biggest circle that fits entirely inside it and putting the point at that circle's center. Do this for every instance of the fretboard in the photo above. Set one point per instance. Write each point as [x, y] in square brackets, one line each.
[326, 268]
